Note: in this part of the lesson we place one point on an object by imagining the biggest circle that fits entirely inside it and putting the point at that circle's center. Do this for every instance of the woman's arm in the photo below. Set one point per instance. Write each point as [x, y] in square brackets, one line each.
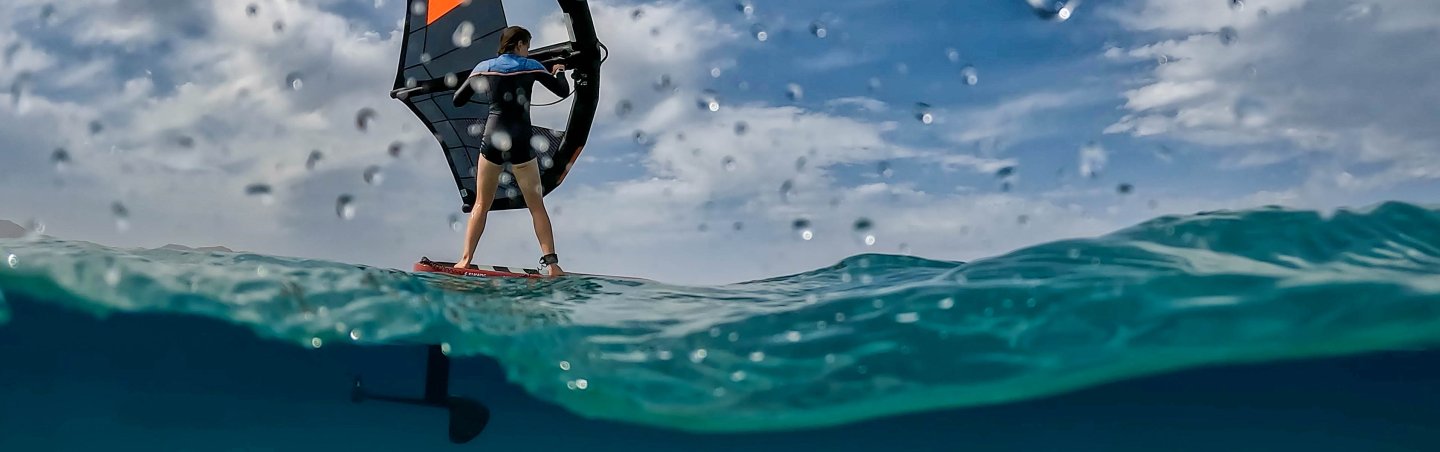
[466, 91]
[557, 82]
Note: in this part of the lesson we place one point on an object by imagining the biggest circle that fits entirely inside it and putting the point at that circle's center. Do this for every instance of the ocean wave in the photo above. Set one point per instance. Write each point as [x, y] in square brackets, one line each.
[870, 336]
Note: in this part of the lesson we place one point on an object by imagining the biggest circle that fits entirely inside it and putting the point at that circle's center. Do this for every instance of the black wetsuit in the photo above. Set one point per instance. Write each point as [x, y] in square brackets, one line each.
[508, 80]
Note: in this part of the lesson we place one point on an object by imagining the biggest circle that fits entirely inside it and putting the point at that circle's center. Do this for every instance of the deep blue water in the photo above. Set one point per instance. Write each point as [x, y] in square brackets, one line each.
[1268, 329]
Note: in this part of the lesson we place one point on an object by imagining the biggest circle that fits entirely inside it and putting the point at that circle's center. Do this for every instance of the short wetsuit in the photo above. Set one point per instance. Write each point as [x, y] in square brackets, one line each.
[508, 79]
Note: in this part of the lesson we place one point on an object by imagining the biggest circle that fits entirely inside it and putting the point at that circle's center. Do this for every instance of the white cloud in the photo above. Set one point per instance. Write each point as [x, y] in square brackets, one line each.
[1350, 81]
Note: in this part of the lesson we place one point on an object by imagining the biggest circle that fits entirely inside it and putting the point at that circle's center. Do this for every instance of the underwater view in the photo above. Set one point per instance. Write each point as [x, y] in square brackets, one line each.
[854, 225]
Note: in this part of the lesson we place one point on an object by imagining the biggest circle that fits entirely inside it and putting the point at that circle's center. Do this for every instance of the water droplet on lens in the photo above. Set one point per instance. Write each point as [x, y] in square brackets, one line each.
[728, 163]
[624, 108]
[760, 33]
[785, 189]
[279, 27]
[802, 227]
[953, 55]
[121, 214]
[294, 81]
[314, 158]
[315, 342]
[1228, 35]
[395, 149]
[800, 163]
[345, 207]
[757, 356]
[1092, 160]
[946, 303]
[884, 169]
[60, 158]
[96, 127]
[112, 276]
[737, 376]
[455, 222]
[907, 317]
[464, 35]
[1237, 4]
[252, 10]
[818, 29]
[863, 233]
[698, 355]
[261, 191]
[709, 100]
[1125, 189]
[373, 176]
[664, 83]
[745, 7]
[792, 336]
[13, 261]
[794, 92]
[970, 75]
[923, 113]
[741, 127]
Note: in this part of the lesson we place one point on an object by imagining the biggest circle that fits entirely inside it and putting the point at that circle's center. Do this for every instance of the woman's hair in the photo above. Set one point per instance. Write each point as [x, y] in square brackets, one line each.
[512, 37]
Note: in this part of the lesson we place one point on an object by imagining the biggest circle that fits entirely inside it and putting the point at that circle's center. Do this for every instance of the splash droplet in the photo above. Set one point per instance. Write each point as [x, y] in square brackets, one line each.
[345, 207]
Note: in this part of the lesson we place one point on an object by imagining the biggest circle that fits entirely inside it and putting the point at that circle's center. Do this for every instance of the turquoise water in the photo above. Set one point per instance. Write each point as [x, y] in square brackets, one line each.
[873, 335]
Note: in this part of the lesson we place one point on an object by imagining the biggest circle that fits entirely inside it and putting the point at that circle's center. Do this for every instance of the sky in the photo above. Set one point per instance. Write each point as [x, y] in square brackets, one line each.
[954, 130]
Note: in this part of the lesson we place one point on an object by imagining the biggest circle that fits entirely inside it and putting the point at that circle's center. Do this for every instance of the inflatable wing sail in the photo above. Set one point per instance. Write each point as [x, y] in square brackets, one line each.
[444, 39]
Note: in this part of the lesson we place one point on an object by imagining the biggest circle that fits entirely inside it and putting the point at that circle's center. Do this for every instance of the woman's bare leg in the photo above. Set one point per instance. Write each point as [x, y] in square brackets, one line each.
[527, 176]
[486, 182]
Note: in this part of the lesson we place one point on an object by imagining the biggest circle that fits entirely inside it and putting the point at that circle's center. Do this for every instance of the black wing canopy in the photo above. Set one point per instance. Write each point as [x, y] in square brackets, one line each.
[444, 39]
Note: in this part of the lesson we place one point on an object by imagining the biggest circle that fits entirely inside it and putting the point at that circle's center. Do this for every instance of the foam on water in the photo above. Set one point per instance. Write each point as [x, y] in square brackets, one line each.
[870, 336]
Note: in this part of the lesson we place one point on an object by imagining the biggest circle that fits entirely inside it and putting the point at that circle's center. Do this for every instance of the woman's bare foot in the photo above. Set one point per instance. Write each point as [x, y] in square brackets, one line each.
[463, 263]
[555, 270]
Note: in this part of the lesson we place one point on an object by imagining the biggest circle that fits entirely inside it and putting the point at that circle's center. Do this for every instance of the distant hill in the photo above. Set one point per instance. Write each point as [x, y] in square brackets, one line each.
[10, 230]
[173, 246]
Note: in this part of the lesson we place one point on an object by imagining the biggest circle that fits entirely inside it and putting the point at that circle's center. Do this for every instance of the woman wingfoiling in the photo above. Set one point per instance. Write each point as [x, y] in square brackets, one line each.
[507, 79]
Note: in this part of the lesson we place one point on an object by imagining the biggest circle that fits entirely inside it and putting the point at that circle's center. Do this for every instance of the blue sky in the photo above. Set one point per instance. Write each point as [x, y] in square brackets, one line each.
[1196, 105]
